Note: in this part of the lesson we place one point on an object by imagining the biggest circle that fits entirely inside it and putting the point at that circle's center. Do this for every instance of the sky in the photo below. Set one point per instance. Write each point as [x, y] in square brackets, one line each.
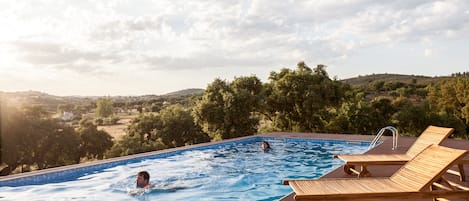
[141, 47]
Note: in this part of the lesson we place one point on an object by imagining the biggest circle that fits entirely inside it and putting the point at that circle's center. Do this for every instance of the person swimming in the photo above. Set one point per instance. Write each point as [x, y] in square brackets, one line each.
[143, 180]
[265, 146]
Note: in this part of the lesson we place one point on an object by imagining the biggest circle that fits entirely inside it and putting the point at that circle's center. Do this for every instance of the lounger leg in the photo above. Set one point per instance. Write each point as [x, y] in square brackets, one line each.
[364, 172]
[462, 174]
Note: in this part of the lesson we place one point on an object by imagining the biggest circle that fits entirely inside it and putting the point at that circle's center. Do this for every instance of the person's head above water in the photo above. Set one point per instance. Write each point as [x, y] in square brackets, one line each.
[265, 145]
[143, 179]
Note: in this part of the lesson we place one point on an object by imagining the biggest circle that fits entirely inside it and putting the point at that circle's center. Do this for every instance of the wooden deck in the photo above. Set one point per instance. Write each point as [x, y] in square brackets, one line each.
[378, 171]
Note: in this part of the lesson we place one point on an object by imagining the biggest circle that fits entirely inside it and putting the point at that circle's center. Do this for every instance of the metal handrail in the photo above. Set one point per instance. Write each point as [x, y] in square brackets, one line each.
[395, 136]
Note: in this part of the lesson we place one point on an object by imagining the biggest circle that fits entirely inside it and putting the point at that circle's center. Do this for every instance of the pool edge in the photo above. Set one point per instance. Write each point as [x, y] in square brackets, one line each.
[38, 176]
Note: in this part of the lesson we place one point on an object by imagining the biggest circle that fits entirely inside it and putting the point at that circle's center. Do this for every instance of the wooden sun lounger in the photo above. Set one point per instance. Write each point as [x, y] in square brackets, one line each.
[421, 177]
[431, 135]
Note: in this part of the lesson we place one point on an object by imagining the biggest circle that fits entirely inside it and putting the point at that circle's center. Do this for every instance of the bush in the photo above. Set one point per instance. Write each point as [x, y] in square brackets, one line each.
[99, 121]
[114, 120]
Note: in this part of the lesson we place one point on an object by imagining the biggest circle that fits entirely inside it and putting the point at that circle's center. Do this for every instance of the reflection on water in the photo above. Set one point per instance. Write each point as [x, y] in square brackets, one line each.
[233, 172]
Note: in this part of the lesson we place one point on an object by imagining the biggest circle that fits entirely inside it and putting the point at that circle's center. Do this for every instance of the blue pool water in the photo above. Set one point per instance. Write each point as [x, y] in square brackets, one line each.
[237, 170]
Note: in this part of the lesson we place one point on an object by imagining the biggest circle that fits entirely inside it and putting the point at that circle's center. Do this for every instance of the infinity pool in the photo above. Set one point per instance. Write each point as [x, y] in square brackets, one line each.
[238, 170]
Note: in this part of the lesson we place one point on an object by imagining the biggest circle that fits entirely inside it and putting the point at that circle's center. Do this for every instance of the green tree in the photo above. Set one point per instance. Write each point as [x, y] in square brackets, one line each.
[413, 119]
[32, 138]
[65, 108]
[58, 146]
[144, 126]
[104, 107]
[172, 127]
[227, 110]
[131, 144]
[451, 97]
[178, 128]
[94, 142]
[299, 100]
[377, 86]
[12, 134]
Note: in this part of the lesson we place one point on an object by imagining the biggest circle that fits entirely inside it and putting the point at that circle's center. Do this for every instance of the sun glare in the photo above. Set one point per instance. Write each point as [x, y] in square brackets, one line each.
[6, 57]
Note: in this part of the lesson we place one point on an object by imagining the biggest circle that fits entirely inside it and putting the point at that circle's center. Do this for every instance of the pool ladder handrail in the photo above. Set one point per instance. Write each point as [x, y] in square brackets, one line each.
[395, 136]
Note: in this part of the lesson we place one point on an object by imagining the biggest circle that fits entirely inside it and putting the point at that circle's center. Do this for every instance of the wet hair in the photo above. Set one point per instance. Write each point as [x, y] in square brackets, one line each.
[267, 145]
[145, 175]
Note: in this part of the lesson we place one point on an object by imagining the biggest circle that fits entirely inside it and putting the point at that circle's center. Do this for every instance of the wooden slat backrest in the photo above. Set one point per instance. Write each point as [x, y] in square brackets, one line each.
[428, 166]
[431, 135]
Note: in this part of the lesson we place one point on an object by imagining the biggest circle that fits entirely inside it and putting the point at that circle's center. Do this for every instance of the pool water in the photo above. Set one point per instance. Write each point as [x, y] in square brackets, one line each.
[231, 171]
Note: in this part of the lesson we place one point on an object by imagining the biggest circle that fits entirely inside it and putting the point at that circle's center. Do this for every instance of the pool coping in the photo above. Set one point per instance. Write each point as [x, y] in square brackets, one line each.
[64, 172]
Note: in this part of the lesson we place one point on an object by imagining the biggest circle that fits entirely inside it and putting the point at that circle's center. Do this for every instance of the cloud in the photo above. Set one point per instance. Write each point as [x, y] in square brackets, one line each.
[207, 61]
[53, 55]
[173, 35]
[125, 27]
[428, 52]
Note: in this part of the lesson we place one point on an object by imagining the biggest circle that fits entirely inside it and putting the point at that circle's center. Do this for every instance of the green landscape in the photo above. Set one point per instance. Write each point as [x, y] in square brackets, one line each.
[39, 130]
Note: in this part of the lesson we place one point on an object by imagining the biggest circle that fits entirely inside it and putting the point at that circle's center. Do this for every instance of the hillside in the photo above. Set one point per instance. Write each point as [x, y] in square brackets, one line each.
[408, 79]
[185, 92]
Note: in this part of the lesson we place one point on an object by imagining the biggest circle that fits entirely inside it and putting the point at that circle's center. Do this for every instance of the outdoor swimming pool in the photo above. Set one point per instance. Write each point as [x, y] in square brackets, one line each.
[236, 170]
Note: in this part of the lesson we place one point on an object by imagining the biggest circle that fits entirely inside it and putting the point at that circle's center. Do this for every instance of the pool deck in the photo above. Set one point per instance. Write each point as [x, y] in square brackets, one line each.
[377, 171]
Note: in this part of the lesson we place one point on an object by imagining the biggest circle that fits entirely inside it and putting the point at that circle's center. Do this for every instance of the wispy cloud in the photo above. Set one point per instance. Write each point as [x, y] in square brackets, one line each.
[108, 36]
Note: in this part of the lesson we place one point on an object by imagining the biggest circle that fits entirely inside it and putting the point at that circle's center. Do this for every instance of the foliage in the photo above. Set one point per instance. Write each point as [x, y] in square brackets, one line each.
[30, 137]
[131, 144]
[298, 100]
[227, 110]
[99, 121]
[104, 107]
[173, 127]
[114, 120]
[358, 116]
[413, 119]
[303, 99]
[450, 99]
[144, 127]
[392, 78]
[178, 128]
[94, 142]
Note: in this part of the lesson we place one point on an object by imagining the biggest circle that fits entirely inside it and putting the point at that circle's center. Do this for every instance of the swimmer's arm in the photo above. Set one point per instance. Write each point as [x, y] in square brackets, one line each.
[137, 191]
[142, 190]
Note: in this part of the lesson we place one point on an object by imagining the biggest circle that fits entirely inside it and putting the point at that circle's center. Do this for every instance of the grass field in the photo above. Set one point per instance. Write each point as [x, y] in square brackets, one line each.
[119, 130]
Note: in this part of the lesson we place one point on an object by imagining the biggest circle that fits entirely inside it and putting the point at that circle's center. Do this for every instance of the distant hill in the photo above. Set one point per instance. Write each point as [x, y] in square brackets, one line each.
[408, 79]
[185, 92]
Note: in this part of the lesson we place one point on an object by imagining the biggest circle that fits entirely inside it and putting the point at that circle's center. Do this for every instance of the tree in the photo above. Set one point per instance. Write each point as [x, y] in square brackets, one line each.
[413, 119]
[59, 146]
[299, 100]
[31, 138]
[94, 142]
[178, 128]
[377, 86]
[451, 99]
[144, 126]
[227, 110]
[172, 127]
[12, 132]
[104, 107]
[65, 108]
[131, 144]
